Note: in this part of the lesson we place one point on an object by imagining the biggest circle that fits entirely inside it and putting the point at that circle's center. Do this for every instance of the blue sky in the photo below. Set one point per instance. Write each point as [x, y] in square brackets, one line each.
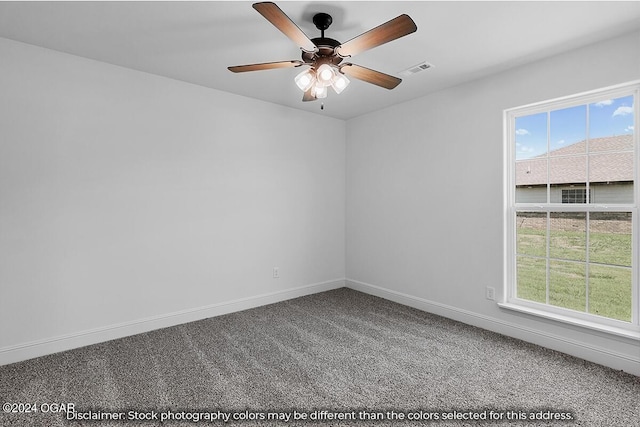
[567, 126]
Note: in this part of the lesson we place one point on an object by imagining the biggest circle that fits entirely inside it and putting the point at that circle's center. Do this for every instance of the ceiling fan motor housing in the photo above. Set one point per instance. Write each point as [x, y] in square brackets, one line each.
[326, 46]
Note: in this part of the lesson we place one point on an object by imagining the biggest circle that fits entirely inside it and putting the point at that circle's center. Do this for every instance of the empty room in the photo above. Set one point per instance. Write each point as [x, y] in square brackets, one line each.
[319, 213]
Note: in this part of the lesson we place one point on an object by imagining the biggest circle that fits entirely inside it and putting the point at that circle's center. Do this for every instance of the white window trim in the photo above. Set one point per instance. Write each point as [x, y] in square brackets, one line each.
[621, 331]
[562, 315]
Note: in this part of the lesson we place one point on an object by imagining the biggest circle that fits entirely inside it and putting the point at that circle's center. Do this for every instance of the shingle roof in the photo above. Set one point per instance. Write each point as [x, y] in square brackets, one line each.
[611, 159]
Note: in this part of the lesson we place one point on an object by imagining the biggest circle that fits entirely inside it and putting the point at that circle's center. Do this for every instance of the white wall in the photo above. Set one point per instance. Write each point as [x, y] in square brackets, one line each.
[425, 196]
[129, 201]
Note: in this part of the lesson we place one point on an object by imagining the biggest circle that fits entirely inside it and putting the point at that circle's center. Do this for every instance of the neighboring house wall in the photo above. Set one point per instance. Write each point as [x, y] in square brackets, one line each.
[618, 192]
[612, 193]
[537, 194]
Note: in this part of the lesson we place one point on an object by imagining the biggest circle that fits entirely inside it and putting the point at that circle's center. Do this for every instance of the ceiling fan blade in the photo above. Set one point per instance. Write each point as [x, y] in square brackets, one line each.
[308, 96]
[265, 66]
[281, 21]
[370, 76]
[390, 30]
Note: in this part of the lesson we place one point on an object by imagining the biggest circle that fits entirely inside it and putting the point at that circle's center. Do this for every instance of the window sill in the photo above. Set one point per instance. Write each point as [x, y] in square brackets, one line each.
[613, 330]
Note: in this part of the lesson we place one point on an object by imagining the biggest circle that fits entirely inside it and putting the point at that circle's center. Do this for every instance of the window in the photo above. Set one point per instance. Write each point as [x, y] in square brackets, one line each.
[574, 195]
[572, 209]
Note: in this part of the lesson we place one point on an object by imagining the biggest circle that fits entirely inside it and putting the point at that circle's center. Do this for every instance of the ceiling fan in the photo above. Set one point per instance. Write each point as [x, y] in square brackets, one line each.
[324, 55]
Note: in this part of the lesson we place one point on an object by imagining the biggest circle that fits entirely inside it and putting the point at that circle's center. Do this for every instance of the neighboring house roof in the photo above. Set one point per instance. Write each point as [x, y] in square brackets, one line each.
[611, 159]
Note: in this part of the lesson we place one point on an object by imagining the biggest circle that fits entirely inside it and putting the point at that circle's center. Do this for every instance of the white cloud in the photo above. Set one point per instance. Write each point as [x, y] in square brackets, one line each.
[623, 111]
[522, 132]
[562, 141]
[629, 128]
[604, 103]
[526, 149]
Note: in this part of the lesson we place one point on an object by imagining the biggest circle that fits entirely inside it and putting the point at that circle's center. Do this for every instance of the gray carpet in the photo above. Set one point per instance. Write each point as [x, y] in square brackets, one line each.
[348, 354]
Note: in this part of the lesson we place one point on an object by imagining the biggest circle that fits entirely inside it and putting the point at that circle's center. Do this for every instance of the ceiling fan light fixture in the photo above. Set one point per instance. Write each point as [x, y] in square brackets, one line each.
[340, 83]
[319, 91]
[305, 80]
[325, 74]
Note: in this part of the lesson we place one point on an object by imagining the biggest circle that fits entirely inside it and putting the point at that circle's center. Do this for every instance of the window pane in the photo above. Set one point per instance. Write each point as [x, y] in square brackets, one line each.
[531, 233]
[531, 279]
[531, 158]
[566, 172]
[568, 131]
[610, 238]
[531, 181]
[611, 117]
[567, 285]
[611, 127]
[531, 136]
[611, 176]
[610, 292]
[568, 235]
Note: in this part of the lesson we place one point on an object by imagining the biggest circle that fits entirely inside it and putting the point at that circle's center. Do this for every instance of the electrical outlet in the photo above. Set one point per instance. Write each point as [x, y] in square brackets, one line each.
[491, 293]
[276, 273]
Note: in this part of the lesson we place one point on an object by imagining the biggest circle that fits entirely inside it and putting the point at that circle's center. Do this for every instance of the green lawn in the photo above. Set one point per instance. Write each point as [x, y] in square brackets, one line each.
[614, 249]
[609, 285]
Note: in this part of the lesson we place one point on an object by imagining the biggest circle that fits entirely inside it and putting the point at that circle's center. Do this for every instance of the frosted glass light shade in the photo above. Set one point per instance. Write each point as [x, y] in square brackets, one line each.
[319, 91]
[305, 80]
[325, 75]
[340, 82]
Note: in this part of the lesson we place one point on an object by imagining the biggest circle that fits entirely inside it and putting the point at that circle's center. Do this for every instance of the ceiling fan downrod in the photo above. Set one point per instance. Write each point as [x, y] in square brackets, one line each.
[322, 21]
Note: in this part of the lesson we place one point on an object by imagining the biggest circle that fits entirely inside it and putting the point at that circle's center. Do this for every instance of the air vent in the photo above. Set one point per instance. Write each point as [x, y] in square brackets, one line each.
[415, 69]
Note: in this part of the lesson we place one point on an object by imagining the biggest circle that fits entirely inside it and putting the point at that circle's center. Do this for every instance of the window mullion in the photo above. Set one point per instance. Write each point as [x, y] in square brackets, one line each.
[588, 202]
[548, 157]
[587, 156]
[548, 255]
[586, 257]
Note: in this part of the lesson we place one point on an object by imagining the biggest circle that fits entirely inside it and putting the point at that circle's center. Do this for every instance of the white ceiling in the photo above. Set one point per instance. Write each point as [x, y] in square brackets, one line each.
[196, 41]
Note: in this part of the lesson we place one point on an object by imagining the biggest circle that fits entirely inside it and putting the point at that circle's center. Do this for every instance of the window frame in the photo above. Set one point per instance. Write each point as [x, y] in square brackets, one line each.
[509, 299]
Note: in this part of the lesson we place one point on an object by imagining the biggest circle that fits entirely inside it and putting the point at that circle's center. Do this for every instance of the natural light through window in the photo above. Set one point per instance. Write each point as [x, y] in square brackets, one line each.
[572, 195]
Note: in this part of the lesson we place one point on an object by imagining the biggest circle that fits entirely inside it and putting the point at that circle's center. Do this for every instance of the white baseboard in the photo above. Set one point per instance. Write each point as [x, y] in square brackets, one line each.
[592, 353]
[29, 350]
